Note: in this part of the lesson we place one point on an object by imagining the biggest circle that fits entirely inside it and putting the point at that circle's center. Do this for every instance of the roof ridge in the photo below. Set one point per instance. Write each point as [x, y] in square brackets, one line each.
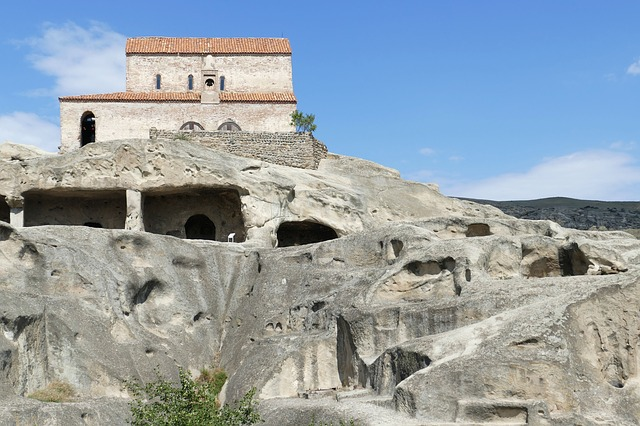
[207, 45]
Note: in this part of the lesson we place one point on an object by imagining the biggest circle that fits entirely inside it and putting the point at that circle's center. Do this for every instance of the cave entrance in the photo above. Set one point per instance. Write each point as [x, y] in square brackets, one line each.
[106, 209]
[200, 227]
[195, 213]
[304, 232]
[5, 211]
[88, 128]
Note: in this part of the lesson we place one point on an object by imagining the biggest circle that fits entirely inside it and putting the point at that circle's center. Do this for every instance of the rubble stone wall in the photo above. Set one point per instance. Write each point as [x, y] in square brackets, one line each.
[300, 150]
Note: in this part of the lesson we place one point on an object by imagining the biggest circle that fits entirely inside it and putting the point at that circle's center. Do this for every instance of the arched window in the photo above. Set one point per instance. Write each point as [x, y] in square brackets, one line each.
[191, 125]
[158, 81]
[190, 82]
[87, 128]
[200, 227]
[229, 126]
[221, 83]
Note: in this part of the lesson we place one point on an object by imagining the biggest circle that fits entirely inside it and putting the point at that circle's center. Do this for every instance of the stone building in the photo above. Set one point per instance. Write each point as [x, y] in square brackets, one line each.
[188, 84]
[148, 159]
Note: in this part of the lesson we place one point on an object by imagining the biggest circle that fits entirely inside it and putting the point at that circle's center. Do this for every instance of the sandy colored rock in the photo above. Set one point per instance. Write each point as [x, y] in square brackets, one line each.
[424, 310]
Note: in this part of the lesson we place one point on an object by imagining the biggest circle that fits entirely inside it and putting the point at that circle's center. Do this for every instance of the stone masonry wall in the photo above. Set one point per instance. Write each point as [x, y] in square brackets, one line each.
[132, 120]
[300, 150]
[242, 73]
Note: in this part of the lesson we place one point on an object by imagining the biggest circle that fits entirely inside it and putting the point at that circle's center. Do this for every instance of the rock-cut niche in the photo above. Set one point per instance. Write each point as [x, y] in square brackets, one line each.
[100, 209]
[199, 213]
[303, 232]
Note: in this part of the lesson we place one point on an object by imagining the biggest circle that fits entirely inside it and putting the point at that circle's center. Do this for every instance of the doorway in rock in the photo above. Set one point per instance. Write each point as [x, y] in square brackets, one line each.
[200, 227]
[167, 212]
[5, 211]
[87, 128]
[303, 232]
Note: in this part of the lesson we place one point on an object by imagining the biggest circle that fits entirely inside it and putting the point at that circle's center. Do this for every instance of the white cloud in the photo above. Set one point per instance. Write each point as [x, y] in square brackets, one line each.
[624, 146]
[29, 129]
[594, 175]
[82, 61]
[634, 68]
[427, 151]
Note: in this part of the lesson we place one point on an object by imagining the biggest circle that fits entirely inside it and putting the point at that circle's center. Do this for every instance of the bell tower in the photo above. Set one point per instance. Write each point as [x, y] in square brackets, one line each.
[210, 84]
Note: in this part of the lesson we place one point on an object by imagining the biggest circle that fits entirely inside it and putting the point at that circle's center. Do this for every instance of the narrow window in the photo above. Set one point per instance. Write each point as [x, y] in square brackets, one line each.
[190, 84]
[158, 81]
[87, 128]
[221, 83]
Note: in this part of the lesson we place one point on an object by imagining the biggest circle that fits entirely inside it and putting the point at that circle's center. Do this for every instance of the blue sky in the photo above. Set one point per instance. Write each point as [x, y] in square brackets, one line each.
[495, 99]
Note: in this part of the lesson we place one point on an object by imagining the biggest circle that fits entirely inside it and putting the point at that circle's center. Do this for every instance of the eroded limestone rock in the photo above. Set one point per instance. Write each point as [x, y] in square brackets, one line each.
[420, 310]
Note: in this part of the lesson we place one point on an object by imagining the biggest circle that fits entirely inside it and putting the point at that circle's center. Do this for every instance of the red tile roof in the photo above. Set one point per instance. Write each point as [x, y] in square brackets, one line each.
[282, 97]
[220, 46]
[279, 98]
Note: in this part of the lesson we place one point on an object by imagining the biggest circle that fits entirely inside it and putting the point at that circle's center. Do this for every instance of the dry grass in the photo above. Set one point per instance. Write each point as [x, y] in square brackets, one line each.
[54, 392]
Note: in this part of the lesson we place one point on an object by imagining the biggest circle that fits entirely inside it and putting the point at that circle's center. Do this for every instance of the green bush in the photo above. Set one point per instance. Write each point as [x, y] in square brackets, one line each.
[188, 403]
[303, 122]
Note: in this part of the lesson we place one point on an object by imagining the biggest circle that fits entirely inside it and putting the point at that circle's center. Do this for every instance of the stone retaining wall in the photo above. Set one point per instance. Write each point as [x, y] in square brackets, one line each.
[300, 150]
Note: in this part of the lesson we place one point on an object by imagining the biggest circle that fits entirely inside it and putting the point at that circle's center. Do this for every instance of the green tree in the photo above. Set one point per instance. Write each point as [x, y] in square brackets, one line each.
[187, 403]
[303, 122]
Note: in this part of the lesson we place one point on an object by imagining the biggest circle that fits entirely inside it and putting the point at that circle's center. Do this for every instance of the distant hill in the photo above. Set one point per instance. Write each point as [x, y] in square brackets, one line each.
[572, 213]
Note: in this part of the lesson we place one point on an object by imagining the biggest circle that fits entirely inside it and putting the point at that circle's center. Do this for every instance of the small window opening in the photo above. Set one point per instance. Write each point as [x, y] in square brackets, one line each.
[221, 83]
[191, 125]
[87, 128]
[158, 81]
[190, 83]
[229, 126]
[209, 82]
[200, 227]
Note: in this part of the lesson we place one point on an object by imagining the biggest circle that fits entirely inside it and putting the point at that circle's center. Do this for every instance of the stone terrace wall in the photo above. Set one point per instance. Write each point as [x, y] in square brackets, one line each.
[300, 150]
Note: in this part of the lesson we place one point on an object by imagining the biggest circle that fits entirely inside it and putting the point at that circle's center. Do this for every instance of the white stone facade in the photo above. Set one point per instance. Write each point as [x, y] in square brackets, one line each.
[251, 73]
[133, 120]
[171, 82]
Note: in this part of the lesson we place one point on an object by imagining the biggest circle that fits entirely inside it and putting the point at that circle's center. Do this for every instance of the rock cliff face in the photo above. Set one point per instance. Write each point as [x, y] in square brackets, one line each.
[421, 310]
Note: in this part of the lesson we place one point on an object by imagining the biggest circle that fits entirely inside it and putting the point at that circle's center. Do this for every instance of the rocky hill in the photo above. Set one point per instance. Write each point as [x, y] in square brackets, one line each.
[572, 213]
[418, 310]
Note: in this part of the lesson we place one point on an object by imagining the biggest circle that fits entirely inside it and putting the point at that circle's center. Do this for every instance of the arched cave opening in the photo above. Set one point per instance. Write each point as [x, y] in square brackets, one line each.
[200, 227]
[572, 261]
[304, 232]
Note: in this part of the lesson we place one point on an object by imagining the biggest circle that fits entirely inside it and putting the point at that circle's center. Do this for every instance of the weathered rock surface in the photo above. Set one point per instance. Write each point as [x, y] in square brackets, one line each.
[425, 310]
